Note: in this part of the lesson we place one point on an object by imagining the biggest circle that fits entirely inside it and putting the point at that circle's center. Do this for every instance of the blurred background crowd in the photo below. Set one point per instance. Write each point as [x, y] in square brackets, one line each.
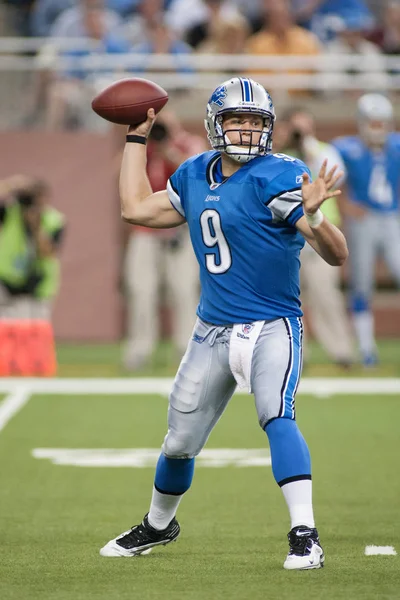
[76, 46]
[316, 58]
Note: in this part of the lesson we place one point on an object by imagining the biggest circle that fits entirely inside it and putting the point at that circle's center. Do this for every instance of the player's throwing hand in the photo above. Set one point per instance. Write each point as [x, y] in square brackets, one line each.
[315, 193]
[145, 127]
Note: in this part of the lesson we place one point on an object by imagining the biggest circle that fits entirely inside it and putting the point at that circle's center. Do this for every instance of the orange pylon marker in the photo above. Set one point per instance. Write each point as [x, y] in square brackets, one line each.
[27, 348]
[41, 349]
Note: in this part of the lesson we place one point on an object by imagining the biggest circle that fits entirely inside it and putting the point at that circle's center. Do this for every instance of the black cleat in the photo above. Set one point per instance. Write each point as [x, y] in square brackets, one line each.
[305, 550]
[141, 539]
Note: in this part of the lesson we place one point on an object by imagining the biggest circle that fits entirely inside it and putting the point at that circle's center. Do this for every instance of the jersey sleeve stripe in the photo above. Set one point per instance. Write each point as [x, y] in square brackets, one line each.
[290, 194]
[285, 204]
[174, 199]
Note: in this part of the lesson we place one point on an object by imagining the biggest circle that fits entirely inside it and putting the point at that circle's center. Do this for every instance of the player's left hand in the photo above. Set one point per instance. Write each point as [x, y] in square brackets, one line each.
[315, 193]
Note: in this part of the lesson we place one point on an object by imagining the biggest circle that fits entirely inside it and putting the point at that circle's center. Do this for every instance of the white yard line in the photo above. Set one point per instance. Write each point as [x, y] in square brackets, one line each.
[20, 389]
[13, 404]
[375, 550]
[316, 386]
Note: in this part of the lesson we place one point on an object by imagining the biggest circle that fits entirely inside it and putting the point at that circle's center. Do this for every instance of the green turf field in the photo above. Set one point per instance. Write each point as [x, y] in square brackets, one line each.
[54, 518]
[104, 360]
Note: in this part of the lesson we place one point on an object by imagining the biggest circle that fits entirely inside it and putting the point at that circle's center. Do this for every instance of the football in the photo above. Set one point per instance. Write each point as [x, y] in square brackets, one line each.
[127, 101]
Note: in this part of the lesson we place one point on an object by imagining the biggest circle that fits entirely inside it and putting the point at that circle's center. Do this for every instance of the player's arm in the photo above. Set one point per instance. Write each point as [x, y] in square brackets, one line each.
[326, 239]
[138, 203]
[320, 233]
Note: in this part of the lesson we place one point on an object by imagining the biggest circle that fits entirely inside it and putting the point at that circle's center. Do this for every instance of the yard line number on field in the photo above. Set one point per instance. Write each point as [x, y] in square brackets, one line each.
[376, 550]
[141, 458]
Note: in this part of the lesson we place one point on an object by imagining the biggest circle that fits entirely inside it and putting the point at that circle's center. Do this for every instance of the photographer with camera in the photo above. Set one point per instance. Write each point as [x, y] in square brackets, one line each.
[160, 258]
[320, 282]
[30, 235]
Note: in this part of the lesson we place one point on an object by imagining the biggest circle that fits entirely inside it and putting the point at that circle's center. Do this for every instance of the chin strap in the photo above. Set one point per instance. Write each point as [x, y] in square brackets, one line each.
[240, 156]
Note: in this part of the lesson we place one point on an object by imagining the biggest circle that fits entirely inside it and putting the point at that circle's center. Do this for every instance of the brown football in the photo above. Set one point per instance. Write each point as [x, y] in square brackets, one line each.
[127, 101]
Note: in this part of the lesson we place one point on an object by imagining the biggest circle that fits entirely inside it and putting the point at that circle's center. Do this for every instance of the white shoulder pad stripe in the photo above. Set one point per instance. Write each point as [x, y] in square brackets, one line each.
[174, 199]
[282, 206]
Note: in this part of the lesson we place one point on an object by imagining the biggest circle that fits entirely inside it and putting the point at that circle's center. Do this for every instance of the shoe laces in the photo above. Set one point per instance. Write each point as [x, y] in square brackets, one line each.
[302, 544]
[138, 534]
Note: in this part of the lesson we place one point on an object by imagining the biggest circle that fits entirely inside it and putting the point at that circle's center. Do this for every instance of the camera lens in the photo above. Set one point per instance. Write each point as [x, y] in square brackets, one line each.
[158, 132]
[25, 199]
[296, 136]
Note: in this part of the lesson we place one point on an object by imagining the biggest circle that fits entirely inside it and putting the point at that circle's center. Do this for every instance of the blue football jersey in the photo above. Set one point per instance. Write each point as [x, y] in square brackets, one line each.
[373, 177]
[244, 236]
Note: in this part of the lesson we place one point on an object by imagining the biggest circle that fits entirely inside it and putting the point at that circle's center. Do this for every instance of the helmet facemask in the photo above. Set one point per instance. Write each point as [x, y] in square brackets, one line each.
[248, 148]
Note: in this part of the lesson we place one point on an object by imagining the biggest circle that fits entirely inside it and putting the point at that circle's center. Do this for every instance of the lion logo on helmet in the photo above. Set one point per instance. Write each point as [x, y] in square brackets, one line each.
[218, 96]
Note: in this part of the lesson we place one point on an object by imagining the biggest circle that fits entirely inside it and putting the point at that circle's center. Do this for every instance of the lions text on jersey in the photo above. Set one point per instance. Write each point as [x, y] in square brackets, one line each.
[243, 234]
[373, 177]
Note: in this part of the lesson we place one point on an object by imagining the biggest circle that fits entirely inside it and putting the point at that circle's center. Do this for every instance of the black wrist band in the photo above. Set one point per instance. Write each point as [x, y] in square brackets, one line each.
[136, 139]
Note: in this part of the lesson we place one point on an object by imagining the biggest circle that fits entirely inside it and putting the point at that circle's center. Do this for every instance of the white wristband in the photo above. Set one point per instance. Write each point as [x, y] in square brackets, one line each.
[316, 219]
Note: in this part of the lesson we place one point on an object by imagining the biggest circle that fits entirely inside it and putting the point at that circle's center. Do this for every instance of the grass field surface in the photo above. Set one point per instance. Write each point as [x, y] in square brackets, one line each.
[104, 360]
[54, 518]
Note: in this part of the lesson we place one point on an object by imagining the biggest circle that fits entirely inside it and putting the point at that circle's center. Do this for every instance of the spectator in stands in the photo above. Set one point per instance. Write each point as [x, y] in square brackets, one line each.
[320, 282]
[125, 8]
[78, 21]
[368, 65]
[280, 36]
[226, 35]
[135, 28]
[45, 13]
[165, 256]
[70, 91]
[17, 16]
[324, 17]
[253, 12]
[30, 236]
[388, 35]
[160, 40]
[190, 19]
[73, 21]
[216, 11]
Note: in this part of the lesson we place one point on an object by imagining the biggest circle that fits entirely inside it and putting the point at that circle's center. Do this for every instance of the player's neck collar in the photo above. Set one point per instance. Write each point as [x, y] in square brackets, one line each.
[214, 175]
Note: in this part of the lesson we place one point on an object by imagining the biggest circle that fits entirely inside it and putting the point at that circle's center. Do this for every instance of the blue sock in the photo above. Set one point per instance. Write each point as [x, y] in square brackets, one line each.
[173, 475]
[290, 456]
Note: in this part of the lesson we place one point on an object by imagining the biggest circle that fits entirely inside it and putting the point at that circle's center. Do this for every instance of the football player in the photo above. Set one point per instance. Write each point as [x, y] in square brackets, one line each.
[249, 212]
[372, 161]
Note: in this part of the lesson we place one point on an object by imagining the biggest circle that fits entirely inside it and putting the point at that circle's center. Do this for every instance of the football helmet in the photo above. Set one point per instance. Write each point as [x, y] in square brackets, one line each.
[375, 118]
[240, 95]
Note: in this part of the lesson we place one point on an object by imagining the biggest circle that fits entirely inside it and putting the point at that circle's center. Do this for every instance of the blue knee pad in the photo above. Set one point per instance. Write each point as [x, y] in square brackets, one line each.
[173, 475]
[290, 456]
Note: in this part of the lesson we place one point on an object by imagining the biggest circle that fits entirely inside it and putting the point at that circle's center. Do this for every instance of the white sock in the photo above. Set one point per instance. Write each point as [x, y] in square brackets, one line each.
[298, 496]
[163, 508]
[364, 326]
